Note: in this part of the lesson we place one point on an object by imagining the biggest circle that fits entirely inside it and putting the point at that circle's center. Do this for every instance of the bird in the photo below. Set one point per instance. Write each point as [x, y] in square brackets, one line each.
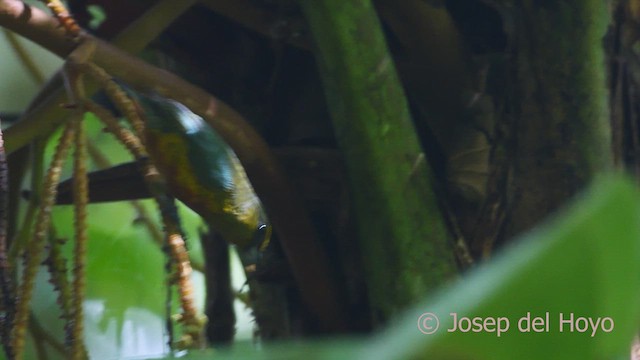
[200, 170]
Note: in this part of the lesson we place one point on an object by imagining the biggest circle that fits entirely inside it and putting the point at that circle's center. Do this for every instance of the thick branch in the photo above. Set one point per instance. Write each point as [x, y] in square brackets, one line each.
[34, 24]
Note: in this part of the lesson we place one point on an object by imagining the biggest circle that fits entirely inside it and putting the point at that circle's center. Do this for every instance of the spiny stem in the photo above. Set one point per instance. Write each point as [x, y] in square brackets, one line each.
[120, 99]
[192, 321]
[130, 141]
[75, 324]
[35, 247]
[80, 201]
[57, 265]
[67, 21]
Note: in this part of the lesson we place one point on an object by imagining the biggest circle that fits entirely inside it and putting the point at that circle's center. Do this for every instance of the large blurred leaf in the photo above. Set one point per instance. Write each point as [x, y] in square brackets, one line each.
[585, 262]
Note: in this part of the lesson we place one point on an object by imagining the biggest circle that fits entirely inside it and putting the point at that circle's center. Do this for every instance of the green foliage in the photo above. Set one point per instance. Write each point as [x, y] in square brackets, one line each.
[586, 261]
[97, 16]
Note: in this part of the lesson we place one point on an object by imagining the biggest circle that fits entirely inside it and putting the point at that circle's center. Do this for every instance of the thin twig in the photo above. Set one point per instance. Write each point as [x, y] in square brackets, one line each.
[57, 265]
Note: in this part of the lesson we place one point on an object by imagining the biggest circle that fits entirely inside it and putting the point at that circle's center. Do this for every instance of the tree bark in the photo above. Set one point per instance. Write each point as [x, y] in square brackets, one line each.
[561, 116]
[404, 241]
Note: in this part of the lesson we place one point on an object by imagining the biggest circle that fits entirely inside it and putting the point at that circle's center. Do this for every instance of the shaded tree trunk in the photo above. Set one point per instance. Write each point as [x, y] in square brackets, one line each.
[404, 241]
[561, 116]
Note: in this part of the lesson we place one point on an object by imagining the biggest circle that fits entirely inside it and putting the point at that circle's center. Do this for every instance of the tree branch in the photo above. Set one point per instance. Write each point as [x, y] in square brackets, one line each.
[35, 25]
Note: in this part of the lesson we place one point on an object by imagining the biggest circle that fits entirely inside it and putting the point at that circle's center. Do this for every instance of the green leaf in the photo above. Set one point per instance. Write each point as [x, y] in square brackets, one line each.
[585, 261]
